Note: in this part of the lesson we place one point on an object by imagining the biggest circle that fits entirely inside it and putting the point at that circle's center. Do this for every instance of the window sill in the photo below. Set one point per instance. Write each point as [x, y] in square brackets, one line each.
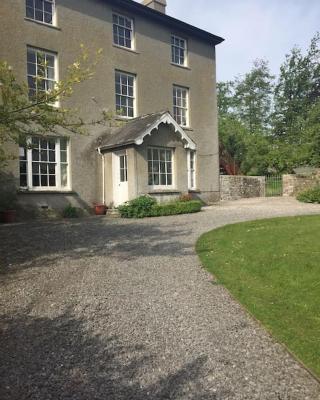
[194, 191]
[124, 119]
[186, 128]
[125, 48]
[164, 191]
[34, 191]
[42, 23]
[181, 66]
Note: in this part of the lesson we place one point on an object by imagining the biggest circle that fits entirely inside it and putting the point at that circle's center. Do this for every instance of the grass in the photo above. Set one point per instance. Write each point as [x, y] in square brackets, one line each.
[273, 268]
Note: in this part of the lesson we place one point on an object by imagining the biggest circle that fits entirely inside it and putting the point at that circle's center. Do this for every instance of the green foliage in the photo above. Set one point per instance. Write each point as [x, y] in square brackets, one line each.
[138, 208]
[70, 212]
[267, 128]
[21, 117]
[272, 268]
[176, 208]
[252, 98]
[310, 196]
[146, 206]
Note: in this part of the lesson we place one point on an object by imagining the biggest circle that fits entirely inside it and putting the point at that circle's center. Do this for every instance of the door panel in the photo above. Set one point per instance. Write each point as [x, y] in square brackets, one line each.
[120, 177]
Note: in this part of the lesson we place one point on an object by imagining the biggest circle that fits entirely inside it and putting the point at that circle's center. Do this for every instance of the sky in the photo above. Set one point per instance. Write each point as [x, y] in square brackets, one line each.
[252, 29]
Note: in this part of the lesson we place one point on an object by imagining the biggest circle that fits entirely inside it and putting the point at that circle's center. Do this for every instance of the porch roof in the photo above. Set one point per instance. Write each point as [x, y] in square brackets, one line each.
[137, 129]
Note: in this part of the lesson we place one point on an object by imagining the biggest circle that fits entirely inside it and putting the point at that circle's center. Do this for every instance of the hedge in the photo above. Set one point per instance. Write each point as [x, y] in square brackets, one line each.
[310, 196]
[145, 206]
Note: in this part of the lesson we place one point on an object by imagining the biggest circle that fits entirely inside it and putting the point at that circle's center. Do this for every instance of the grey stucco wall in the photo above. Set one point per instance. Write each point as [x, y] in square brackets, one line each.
[90, 22]
[238, 187]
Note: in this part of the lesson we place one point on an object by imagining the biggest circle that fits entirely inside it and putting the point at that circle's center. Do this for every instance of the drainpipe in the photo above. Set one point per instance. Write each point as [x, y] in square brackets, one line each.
[103, 176]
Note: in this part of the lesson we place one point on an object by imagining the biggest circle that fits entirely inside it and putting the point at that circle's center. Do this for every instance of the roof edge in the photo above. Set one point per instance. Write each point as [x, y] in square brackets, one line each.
[168, 20]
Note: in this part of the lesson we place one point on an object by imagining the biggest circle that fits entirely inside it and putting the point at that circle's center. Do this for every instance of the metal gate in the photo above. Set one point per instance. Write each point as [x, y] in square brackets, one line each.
[274, 185]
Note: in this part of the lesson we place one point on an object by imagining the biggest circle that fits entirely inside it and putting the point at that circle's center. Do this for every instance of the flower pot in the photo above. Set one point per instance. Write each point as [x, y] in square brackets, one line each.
[9, 216]
[100, 209]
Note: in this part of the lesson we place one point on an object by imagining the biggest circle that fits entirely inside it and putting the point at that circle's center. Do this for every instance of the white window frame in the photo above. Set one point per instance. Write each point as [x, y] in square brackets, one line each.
[126, 75]
[161, 187]
[126, 28]
[55, 67]
[58, 187]
[183, 109]
[182, 48]
[54, 12]
[192, 172]
[123, 169]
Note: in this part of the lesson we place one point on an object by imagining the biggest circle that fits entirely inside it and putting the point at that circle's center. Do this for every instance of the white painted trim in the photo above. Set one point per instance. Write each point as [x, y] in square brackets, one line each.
[169, 120]
[190, 187]
[57, 187]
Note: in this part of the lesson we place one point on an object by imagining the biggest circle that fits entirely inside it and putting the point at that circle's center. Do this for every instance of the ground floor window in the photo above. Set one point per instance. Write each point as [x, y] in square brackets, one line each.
[192, 169]
[44, 164]
[123, 168]
[160, 171]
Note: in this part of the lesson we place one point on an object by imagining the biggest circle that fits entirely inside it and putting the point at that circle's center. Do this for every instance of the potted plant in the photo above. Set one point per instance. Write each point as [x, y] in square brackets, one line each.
[100, 209]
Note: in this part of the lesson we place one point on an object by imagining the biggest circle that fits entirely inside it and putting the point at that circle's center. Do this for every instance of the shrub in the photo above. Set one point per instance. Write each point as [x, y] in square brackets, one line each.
[135, 208]
[310, 196]
[70, 212]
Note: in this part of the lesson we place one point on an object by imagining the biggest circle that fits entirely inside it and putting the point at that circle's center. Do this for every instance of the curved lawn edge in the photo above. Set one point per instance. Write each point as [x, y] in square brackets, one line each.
[280, 296]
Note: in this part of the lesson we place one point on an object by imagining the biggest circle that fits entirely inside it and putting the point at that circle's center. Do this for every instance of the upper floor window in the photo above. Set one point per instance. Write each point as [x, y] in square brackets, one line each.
[41, 72]
[181, 105]
[44, 164]
[125, 94]
[123, 31]
[178, 50]
[41, 10]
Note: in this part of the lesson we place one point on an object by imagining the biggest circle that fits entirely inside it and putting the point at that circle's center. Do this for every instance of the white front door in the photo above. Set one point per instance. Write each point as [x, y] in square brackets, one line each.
[120, 177]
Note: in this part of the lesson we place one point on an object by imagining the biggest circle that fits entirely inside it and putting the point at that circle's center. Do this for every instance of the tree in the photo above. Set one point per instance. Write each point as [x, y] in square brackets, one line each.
[22, 116]
[253, 98]
[298, 88]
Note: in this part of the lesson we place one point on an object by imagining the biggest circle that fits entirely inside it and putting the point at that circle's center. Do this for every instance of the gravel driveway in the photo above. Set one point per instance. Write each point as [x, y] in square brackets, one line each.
[115, 309]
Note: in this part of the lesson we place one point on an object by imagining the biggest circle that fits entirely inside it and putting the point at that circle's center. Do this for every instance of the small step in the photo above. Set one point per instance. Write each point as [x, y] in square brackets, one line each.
[113, 213]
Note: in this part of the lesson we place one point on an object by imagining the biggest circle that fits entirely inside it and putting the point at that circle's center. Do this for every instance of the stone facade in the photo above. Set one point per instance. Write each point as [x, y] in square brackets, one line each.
[295, 184]
[239, 187]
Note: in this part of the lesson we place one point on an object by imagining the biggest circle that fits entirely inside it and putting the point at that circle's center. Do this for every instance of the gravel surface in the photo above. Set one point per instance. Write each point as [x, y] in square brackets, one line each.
[116, 309]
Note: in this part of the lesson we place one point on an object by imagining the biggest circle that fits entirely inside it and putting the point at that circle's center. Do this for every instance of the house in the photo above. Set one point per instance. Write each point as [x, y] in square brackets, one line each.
[157, 74]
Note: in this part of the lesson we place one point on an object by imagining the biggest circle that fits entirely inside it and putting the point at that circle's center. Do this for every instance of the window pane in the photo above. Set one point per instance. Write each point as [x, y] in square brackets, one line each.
[63, 156]
[36, 168]
[163, 180]
[64, 175]
[150, 180]
[30, 12]
[52, 180]
[156, 179]
[35, 180]
[44, 168]
[169, 181]
[35, 155]
[23, 180]
[44, 180]
[52, 169]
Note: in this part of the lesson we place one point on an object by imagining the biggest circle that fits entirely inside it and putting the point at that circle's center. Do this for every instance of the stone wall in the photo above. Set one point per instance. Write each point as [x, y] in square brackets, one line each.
[294, 184]
[239, 187]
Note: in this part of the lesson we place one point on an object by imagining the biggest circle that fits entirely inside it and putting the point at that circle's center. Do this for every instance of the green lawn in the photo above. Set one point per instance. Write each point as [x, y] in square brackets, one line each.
[273, 268]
